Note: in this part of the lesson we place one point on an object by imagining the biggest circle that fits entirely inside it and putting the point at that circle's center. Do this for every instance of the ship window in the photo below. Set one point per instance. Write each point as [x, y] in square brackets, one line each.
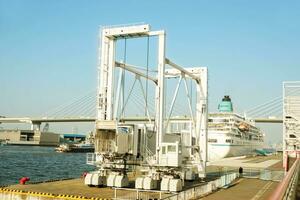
[218, 120]
[124, 130]
[171, 148]
[229, 141]
[292, 136]
[212, 140]
[163, 150]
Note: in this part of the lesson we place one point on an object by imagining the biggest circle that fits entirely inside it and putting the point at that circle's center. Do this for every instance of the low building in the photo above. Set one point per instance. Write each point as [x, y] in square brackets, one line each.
[29, 137]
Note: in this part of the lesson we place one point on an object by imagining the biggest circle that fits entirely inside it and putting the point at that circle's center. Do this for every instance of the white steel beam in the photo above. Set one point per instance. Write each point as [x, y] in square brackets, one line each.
[126, 101]
[201, 120]
[155, 33]
[182, 69]
[110, 80]
[131, 68]
[120, 79]
[103, 78]
[126, 31]
[173, 101]
[189, 100]
[160, 94]
[145, 101]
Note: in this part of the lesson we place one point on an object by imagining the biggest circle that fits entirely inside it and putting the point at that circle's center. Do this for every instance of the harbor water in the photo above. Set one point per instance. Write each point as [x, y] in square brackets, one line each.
[39, 164]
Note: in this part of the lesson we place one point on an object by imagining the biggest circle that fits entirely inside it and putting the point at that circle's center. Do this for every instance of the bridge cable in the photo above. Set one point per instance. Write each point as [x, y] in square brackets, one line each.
[62, 108]
[270, 107]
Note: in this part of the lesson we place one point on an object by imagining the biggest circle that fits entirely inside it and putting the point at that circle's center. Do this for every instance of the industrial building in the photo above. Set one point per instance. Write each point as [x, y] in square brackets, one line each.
[29, 137]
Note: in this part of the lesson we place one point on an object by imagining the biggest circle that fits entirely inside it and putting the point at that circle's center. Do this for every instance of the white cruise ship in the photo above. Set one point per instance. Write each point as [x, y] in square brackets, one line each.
[230, 134]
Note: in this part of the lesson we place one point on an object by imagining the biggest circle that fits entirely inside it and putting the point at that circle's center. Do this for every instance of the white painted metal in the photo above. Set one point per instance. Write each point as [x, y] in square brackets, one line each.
[189, 100]
[126, 31]
[108, 117]
[164, 185]
[173, 100]
[98, 179]
[182, 70]
[150, 184]
[170, 154]
[291, 117]
[201, 120]
[132, 69]
[160, 93]
[175, 185]
[88, 179]
[199, 74]
[139, 183]
[120, 80]
[116, 106]
[105, 90]
[121, 181]
[144, 98]
[126, 101]
[190, 175]
[111, 180]
[94, 179]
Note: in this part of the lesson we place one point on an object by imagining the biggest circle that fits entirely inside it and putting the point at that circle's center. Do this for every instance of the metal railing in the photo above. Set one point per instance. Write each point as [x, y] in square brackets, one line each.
[130, 194]
[191, 193]
[263, 174]
[202, 190]
[288, 186]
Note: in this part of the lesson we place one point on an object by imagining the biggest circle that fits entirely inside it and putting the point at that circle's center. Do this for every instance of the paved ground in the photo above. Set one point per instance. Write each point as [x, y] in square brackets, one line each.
[246, 189]
[260, 162]
[253, 189]
[76, 187]
[63, 187]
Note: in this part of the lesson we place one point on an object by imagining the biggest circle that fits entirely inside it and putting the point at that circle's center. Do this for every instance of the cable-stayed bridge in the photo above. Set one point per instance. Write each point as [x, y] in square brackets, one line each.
[268, 112]
[83, 109]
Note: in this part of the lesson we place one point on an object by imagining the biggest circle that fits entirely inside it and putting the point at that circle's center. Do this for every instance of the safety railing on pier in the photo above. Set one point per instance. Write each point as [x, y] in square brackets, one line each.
[288, 186]
[202, 190]
[263, 174]
[191, 193]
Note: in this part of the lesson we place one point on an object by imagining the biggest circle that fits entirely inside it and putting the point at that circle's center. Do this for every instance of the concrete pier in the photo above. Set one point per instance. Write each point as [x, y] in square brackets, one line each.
[256, 183]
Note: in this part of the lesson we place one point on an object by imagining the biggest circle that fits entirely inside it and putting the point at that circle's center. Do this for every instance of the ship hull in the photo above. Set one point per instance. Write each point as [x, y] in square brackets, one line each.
[219, 151]
[226, 146]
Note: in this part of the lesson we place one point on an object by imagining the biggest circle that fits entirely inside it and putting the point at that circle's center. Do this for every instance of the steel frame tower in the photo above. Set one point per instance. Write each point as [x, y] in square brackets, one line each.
[108, 102]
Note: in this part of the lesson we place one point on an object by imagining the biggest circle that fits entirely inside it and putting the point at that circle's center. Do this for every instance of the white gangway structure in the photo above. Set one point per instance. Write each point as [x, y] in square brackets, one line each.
[169, 150]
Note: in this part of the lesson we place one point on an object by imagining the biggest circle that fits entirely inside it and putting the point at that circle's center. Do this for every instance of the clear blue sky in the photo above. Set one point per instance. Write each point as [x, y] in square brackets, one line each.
[48, 49]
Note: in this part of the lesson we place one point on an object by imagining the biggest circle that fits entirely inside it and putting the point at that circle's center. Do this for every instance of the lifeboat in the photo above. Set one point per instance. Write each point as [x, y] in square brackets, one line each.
[243, 127]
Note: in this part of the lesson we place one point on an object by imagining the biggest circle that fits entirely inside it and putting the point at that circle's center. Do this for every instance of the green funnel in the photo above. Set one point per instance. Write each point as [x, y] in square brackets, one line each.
[225, 105]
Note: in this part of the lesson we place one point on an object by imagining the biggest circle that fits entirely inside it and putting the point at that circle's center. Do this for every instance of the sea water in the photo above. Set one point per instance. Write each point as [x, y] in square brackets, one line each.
[39, 164]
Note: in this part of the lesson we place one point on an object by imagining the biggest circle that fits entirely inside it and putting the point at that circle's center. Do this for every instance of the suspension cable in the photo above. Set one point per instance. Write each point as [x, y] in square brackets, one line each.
[147, 74]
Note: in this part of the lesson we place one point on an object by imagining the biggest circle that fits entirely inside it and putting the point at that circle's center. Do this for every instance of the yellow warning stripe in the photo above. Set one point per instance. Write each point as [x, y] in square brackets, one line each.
[48, 195]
